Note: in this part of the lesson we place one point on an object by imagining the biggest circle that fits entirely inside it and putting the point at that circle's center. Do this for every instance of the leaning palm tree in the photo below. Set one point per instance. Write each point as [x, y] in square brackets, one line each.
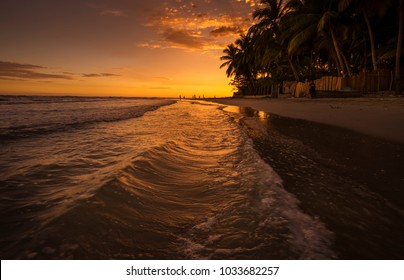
[308, 22]
[367, 8]
[270, 54]
[298, 31]
[269, 15]
[230, 58]
[376, 8]
[239, 60]
[247, 57]
[327, 25]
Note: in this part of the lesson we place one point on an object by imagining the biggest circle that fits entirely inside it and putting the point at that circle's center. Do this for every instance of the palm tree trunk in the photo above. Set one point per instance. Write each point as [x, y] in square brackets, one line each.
[280, 88]
[399, 45]
[338, 69]
[372, 41]
[346, 64]
[293, 70]
[338, 53]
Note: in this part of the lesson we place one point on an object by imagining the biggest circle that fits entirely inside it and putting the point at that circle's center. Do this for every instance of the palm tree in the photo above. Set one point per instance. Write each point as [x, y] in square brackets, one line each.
[230, 58]
[327, 25]
[379, 9]
[308, 24]
[269, 16]
[239, 60]
[247, 66]
[399, 45]
[298, 28]
[312, 37]
[367, 8]
[270, 54]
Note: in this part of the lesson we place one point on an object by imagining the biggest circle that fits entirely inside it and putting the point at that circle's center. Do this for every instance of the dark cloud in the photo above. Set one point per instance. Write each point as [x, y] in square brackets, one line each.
[184, 38]
[225, 31]
[95, 75]
[21, 71]
[5, 65]
[15, 70]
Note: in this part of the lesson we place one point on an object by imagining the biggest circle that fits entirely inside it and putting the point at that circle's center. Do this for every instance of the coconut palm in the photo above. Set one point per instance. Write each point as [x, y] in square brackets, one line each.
[270, 54]
[378, 9]
[310, 38]
[230, 58]
[298, 29]
[269, 15]
[239, 60]
[399, 45]
[327, 25]
[307, 23]
[367, 8]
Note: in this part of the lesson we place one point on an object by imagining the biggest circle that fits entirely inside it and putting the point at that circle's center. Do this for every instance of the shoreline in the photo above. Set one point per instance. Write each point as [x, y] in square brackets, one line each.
[382, 118]
[349, 181]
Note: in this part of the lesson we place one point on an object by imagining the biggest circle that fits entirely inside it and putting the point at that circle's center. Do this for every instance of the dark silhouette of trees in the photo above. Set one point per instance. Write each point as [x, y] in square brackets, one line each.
[299, 40]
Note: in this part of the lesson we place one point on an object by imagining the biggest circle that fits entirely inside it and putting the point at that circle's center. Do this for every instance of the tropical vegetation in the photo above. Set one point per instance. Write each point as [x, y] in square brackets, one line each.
[302, 40]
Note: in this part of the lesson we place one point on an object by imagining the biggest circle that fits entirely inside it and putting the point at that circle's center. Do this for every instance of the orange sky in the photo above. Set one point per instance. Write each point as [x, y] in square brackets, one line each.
[118, 47]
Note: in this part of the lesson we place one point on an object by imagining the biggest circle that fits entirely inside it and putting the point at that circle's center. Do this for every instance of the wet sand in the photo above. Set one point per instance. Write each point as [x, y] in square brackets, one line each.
[379, 117]
[351, 182]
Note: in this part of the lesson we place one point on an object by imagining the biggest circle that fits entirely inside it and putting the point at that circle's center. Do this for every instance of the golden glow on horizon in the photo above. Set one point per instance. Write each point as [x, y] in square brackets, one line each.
[158, 87]
[126, 48]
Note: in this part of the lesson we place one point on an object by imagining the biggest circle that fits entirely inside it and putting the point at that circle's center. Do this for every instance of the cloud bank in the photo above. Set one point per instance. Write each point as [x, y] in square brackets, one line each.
[200, 24]
[22, 71]
[13, 70]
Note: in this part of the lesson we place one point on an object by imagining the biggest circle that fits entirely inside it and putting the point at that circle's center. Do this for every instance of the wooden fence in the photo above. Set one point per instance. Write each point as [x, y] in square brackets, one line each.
[375, 81]
[365, 82]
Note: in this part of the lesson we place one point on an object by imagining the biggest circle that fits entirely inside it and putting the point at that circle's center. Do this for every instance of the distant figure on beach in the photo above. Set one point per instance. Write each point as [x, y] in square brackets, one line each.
[180, 96]
[312, 89]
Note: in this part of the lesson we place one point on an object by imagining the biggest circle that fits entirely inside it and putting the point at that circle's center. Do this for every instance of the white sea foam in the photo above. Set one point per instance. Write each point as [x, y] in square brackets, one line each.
[276, 211]
[181, 181]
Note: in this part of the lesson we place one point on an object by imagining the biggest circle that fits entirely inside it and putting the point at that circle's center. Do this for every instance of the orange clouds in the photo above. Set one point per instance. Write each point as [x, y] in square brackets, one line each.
[119, 47]
[199, 25]
[184, 38]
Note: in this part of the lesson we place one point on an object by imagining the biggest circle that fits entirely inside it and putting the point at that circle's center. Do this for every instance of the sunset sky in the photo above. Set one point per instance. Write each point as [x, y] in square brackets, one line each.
[118, 47]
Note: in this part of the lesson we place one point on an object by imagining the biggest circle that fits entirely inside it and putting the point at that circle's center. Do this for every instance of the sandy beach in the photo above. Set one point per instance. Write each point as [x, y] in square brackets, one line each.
[342, 158]
[158, 179]
[379, 117]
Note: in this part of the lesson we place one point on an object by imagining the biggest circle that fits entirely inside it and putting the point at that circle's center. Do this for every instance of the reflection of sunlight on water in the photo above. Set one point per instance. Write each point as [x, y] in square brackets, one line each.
[186, 173]
[247, 111]
[233, 109]
[259, 121]
[262, 115]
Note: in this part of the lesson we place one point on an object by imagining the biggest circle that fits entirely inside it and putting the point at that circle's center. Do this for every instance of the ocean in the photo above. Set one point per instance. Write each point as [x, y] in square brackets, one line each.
[120, 178]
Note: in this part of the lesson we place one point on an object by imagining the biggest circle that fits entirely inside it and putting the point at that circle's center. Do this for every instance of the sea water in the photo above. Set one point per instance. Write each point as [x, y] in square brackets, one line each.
[114, 178]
